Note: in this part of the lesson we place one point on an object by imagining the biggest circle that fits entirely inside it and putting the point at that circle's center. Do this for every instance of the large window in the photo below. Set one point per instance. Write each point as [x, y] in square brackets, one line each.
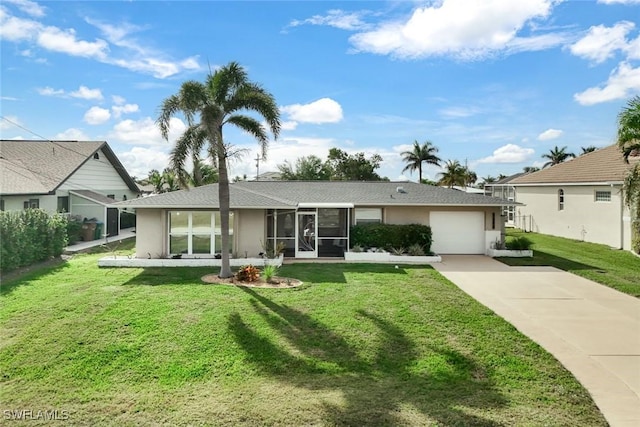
[197, 232]
[63, 204]
[31, 204]
[561, 200]
[368, 215]
[603, 196]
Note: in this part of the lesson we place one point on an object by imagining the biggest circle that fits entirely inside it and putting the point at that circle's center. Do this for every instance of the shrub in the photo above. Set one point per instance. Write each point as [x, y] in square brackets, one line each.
[269, 271]
[635, 236]
[398, 251]
[415, 250]
[248, 273]
[74, 229]
[518, 244]
[391, 235]
[30, 236]
[127, 220]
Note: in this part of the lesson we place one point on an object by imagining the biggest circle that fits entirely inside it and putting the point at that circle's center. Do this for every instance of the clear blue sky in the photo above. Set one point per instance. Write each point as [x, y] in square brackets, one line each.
[496, 83]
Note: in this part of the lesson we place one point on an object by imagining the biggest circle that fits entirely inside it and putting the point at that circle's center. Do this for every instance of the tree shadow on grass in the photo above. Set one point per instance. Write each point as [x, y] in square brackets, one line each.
[541, 258]
[23, 276]
[375, 389]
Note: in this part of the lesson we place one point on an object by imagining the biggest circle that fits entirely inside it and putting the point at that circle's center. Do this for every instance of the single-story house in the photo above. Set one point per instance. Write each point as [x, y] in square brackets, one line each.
[81, 178]
[311, 219]
[579, 199]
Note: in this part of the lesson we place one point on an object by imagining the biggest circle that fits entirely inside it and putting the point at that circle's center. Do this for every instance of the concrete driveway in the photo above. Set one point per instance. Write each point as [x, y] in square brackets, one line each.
[593, 330]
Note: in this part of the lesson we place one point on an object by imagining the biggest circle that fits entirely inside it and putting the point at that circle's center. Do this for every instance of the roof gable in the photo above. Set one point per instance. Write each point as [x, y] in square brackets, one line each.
[605, 165]
[40, 167]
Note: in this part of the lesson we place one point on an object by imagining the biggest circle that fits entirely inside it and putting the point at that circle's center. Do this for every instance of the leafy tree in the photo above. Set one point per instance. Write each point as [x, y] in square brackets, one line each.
[418, 155]
[308, 168]
[454, 174]
[557, 156]
[529, 169]
[170, 181]
[353, 167]
[588, 149]
[629, 144]
[224, 98]
[155, 178]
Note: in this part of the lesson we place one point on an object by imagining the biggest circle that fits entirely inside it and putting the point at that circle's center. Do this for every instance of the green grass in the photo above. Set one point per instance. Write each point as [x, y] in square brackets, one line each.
[355, 345]
[614, 268]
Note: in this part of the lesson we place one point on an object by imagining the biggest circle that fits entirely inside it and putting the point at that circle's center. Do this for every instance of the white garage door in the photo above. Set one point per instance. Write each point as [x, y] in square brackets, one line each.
[457, 232]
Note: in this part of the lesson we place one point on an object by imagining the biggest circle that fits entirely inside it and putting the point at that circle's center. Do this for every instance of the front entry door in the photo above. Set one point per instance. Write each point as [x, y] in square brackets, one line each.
[307, 231]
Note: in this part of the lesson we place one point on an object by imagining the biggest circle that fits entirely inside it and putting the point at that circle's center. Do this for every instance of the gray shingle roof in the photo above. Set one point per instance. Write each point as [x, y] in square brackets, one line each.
[39, 167]
[281, 194]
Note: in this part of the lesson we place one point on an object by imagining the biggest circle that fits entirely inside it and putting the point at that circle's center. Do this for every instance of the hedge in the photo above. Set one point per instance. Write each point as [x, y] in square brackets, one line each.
[635, 235]
[390, 236]
[30, 236]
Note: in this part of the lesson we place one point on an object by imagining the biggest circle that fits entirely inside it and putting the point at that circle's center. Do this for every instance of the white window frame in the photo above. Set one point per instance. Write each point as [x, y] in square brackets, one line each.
[213, 233]
[367, 216]
[606, 193]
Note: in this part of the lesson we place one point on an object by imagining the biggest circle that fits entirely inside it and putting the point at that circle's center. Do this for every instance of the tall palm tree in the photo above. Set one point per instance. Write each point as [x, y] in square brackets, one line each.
[629, 128]
[225, 97]
[454, 174]
[556, 156]
[418, 155]
[629, 144]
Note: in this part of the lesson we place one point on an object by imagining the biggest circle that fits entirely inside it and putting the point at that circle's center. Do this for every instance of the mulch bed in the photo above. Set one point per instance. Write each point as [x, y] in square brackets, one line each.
[276, 282]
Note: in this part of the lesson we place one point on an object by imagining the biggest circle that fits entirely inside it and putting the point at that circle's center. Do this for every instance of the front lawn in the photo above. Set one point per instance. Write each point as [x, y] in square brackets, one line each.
[355, 345]
[614, 268]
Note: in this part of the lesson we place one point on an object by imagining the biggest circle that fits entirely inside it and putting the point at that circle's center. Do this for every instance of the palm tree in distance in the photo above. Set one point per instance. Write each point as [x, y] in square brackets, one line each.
[557, 156]
[418, 155]
[588, 149]
[529, 169]
[224, 98]
[203, 173]
[454, 174]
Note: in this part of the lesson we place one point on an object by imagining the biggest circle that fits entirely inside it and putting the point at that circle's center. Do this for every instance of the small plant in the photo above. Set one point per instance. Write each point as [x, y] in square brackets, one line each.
[415, 250]
[380, 250]
[398, 251]
[497, 244]
[248, 273]
[268, 251]
[268, 272]
[357, 248]
[519, 244]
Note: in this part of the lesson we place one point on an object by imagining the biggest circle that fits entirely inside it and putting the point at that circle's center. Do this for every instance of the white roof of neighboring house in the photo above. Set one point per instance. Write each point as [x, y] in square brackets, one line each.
[292, 194]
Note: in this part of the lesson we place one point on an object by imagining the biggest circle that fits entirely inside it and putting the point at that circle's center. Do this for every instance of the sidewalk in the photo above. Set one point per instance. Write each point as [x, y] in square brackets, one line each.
[593, 330]
[81, 246]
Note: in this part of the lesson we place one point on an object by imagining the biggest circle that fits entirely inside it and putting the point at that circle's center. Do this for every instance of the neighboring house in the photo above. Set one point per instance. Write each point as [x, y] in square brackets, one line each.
[77, 177]
[269, 176]
[311, 219]
[503, 189]
[579, 199]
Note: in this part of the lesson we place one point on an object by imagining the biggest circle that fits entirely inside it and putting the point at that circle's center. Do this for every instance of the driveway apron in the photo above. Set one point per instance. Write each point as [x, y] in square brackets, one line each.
[593, 330]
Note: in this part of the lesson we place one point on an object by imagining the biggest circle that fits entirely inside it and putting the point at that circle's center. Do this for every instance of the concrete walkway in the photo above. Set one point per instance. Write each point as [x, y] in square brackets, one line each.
[82, 246]
[593, 330]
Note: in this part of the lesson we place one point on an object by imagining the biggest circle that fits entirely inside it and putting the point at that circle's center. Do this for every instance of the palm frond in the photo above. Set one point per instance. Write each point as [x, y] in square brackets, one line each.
[170, 106]
[253, 127]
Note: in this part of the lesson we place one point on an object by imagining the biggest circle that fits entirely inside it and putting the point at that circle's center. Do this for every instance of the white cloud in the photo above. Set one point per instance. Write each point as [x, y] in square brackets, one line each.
[622, 82]
[289, 125]
[10, 122]
[550, 134]
[459, 112]
[459, 28]
[119, 110]
[145, 132]
[335, 18]
[96, 115]
[84, 92]
[140, 160]
[49, 91]
[324, 110]
[9, 98]
[17, 29]
[509, 153]
[118, 100]
[72, 134]
[602, 42]
[29, 7]
[65, 41]
[619, 1]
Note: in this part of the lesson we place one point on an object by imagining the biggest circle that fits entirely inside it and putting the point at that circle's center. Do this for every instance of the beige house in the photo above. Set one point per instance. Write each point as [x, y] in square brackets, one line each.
[311, 219]
[77, 177]
[580, 199]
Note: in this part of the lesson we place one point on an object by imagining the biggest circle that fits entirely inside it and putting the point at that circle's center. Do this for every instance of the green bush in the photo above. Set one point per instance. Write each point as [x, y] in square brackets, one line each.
[30, 236]
[127, 220]
[518, 244]
[635, 236]
[74, 229]
[390, 236]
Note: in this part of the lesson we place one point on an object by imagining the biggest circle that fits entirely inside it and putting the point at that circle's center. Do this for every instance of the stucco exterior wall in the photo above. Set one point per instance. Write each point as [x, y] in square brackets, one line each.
[582, 217]
[406, 215]
[151, 233]
[250, 232]
[16, 203]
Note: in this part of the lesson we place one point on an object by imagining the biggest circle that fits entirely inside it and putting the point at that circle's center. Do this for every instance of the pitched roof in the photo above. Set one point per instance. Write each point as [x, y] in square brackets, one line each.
[40, 167]
[283, 194]
[93, 196]
[605, 165]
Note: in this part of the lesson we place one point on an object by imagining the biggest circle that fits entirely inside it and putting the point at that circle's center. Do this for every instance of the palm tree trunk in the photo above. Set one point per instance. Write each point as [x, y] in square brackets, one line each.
[420, 173]
[223, 197]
